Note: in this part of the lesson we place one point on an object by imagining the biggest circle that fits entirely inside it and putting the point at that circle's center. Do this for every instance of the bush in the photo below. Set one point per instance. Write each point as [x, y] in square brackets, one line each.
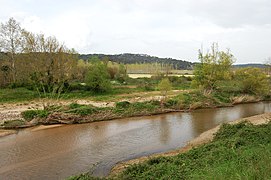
[75, 105]
[13, 123]
[253, 81]
[171, 103]
[97, 78]
[82, 110]
[143, 106]
[122, 104]
[31, 114]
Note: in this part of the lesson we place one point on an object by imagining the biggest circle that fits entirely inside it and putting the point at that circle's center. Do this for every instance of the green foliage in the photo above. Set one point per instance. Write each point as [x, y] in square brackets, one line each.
[122, 104]
[253, 81]
[31, 114]
[97, 78]
[121, 75]
[17, 95]
[82, 110]
[13, 123]
[138, 59]
[125, 109]
[172, 103]
[75, 105]
[241, 151]
[214, 66]
[198, 99]
[164, 86]
[85, 176]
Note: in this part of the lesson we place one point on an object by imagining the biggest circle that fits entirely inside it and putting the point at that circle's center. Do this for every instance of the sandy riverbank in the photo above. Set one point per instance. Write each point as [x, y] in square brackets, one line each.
[201, 139]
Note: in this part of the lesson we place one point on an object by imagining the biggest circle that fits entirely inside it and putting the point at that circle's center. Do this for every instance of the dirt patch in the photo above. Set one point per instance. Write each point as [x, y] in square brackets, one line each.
[200, 140]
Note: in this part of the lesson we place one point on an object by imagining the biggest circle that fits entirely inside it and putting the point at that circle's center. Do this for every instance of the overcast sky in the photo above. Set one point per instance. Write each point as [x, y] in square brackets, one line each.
[164, 28]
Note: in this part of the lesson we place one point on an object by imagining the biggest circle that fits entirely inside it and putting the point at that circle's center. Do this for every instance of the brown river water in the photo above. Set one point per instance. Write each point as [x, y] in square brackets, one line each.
[60, 152]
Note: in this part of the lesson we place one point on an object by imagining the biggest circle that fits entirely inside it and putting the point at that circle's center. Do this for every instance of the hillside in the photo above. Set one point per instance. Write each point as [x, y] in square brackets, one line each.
[249, 65]
[140, 59]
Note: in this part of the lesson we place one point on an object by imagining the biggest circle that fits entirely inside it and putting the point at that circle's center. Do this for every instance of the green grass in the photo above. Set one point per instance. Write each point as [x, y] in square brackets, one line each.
[31, 114]
[129, 109]
[241, 151]
[17, 95]
[9, 95]
[82, 110]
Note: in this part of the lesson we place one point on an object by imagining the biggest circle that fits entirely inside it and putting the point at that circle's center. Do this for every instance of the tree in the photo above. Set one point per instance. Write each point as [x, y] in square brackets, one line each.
[253, 81]
[11, 43]
[214, 66]
[121, 75]
[97, 77]
[164, 86]
[52, 64]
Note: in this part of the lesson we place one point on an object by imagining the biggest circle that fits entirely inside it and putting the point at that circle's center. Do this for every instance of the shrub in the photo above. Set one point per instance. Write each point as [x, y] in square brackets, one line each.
[75, 105]
[13, 123]
[122, 104]
[97, 78]
[171, 103]
[253, 81]
[31, 114]
[82, 109]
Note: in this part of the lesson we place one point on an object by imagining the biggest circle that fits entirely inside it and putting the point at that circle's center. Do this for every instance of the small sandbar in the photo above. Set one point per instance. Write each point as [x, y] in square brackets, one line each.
[43, 127]
[4, 132]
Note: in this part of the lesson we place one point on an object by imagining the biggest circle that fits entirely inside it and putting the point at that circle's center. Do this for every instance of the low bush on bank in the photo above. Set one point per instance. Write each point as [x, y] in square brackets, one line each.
[13, 123]
[81, 109]
[122, 104]
[126, 109]
[31, 114]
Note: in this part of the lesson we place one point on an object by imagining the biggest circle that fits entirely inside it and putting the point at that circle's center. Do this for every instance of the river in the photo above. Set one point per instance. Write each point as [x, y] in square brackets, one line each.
[60, 152]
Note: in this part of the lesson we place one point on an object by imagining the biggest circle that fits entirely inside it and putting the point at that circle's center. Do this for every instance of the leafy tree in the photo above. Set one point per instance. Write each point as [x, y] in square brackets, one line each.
[52, 64]
[164, 86]
[97, 77]
[122, 73]
[112, 72]
[253, 81]
[214, 66]
[11, 43]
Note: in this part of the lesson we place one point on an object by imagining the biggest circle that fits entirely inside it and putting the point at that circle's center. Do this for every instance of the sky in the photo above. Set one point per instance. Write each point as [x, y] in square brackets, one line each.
[163, 28]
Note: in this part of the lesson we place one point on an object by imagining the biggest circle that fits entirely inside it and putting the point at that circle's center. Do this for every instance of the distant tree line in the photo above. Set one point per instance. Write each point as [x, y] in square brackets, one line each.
[141, 59]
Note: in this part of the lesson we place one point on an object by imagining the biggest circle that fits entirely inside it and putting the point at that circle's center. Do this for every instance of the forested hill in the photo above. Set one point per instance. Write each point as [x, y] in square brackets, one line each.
[249, 65]
[141, 58]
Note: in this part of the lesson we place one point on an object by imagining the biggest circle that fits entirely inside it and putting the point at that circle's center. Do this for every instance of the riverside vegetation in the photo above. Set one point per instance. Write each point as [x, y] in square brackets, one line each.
[33, 66]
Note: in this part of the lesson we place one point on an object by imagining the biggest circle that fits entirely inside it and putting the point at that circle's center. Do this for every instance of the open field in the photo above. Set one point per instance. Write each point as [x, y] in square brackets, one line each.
[150, 75]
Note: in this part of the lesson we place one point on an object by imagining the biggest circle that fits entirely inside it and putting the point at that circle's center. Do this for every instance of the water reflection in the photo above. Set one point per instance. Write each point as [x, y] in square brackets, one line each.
[164, 130]
[60, 152]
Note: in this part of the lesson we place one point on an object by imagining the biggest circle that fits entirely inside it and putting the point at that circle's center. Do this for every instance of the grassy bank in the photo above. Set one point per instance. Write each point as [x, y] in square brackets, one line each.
[240, 151]
[23, 94]
[79, 113]
[79, 91]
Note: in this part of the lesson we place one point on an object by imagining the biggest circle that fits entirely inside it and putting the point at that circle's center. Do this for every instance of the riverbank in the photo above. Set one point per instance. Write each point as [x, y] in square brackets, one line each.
[89, 111]
[239, 149]
[202, 139]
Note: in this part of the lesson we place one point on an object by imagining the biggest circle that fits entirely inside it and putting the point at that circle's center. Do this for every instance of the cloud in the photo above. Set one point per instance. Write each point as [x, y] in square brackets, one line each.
[167, 28]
